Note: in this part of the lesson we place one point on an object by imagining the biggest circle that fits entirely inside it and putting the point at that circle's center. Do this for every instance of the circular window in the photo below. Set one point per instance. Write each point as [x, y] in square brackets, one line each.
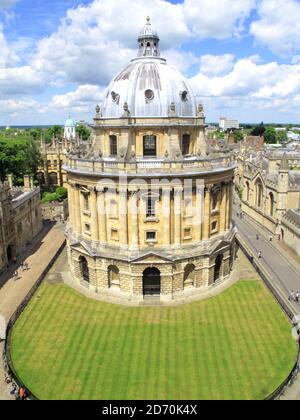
[149, 94]
[184, 96]
[114, 96]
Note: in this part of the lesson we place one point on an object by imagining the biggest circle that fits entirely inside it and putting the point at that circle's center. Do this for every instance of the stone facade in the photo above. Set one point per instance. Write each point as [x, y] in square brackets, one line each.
[20, 218]
[290, 230]
[270, 185]
[55, 211]
[150, 206]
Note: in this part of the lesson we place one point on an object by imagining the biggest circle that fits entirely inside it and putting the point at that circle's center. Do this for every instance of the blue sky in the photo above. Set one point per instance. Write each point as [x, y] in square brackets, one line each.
[242, 57]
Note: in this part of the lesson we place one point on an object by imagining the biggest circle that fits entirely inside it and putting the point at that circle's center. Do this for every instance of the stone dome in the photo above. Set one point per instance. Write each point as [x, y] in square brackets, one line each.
[149, 87]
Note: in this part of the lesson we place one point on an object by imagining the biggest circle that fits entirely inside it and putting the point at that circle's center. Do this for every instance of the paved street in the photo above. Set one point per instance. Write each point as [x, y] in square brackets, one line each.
[13, 292]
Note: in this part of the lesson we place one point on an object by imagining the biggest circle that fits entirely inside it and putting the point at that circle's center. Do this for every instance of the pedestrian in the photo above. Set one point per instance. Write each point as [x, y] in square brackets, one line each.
[257, 237]
[16, 275]
[271, 238]
[23, 266]
[26, 266]
[292, 296]
[260, 255]
[22, 393]
[297, 297]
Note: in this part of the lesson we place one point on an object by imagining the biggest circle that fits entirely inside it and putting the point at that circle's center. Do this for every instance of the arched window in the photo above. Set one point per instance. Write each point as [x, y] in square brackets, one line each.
[271, 197]
[189, 276]
[53, 180]
[84, 269]
[113, 277]
[150, 148]
[218, 268]
[113, 145]
[186, 144]
[259, 193]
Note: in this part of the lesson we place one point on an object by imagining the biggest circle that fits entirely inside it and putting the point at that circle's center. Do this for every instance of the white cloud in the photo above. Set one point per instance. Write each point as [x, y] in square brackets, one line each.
[216, 65]
[82, 99]
[278, 26]
[4, 4]
[217, 19]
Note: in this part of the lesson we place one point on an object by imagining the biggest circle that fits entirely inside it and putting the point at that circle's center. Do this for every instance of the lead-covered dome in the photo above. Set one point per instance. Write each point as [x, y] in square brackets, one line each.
[149, 87]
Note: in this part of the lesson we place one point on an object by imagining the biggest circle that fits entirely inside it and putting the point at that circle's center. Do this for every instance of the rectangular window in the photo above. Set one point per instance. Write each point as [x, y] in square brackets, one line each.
[151, 236]
[150, 210]
[86, 203]
[187, 233]
[114, 235]
[150, 146]
[214, 227]
[113, 145]
[186, 144]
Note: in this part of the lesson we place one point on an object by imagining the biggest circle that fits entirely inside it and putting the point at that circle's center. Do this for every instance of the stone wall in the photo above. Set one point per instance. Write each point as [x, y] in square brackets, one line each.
[55, 211]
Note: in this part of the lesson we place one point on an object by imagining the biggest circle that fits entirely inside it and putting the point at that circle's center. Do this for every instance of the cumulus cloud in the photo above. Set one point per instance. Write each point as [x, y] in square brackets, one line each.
[83, 99]
[95, 41]
[217, 19]
[278, 26]
[215, 65]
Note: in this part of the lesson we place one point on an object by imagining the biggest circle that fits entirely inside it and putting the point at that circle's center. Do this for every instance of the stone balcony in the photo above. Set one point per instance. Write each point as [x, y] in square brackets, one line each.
[150, 167]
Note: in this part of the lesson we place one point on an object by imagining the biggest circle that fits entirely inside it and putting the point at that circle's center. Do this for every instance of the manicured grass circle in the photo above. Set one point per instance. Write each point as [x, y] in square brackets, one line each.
[235, 346]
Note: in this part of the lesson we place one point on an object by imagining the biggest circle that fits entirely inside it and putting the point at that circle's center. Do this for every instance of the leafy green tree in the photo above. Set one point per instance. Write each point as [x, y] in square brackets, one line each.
[83, 132]
[19, 157]
[259, 130]
[281, 136]
[270, 135]
[55, 131]
[60, 194]
[238, 136]
[35, 133]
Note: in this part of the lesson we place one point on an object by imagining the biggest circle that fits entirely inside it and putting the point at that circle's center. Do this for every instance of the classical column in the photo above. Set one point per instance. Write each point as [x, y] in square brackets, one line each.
[94, 215]
[123, 217]
[177, 215]
[101, 211]
[77, 210]
[71, 204]
[166, 215]
[207, 212]
[199, 214]
[229, 204]
[134, 213]
[223, 208]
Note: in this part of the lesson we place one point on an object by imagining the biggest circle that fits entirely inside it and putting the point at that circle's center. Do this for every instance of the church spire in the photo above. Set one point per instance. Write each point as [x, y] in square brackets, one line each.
[148, 41]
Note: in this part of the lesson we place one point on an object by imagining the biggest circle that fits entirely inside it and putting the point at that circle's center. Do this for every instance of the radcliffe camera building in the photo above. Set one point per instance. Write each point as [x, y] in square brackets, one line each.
[150, 203]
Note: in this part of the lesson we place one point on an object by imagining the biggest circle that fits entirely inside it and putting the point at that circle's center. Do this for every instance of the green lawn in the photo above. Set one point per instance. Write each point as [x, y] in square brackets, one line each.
[235, 346]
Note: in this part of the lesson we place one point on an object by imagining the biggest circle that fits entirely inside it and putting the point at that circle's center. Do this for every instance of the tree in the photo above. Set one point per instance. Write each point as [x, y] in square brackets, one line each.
[19, 157]
[259, 130]
[55, 131]
[60, 194]
[281, 137]
[270, 135]
[238, 136]
[83, 132]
